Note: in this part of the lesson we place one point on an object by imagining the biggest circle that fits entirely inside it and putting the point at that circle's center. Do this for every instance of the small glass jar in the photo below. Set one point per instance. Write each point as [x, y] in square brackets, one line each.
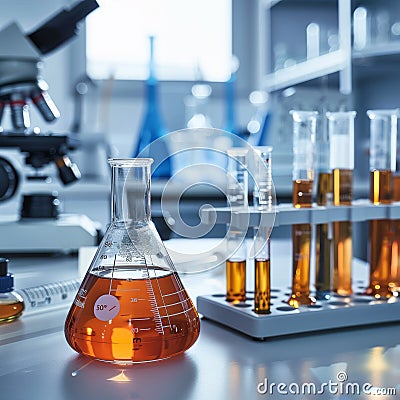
[11, 303]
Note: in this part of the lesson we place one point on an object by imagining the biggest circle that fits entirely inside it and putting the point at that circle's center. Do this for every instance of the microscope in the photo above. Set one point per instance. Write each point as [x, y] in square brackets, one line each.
[39, 227]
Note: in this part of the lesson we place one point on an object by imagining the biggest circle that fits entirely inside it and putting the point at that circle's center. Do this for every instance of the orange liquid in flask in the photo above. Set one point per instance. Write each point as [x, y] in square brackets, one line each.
[118, 318]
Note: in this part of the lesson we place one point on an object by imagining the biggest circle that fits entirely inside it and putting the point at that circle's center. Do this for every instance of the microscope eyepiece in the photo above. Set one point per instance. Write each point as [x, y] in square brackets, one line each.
[61, 27]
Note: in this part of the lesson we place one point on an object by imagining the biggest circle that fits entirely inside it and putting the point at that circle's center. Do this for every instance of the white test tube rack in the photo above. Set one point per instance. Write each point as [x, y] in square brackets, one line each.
[338, 312]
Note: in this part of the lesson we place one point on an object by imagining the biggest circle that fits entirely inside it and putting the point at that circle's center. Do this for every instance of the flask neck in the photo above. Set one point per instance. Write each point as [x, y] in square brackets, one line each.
[130, 194]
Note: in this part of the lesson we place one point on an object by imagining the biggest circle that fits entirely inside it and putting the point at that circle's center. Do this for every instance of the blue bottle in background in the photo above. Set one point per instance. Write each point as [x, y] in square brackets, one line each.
[230, 104]
[152, 127]
[230, 122]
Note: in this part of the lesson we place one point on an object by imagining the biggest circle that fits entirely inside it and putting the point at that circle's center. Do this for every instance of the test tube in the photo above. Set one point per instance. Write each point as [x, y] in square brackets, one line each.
[262, 193]
[237, 197]
[341, 136]
[236, 268]
[262, 197]
[238, 178]
[324, 232]
[382, 164]
[304, 130]
[395, 264]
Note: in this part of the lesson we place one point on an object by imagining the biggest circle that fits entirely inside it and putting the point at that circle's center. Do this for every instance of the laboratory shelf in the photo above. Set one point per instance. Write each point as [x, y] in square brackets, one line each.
[305, 71]
[385, 49]
[337, 313]
[286, 214]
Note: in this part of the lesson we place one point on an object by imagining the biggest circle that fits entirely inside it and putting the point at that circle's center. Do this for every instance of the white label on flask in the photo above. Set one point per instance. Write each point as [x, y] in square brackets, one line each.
[106, 307]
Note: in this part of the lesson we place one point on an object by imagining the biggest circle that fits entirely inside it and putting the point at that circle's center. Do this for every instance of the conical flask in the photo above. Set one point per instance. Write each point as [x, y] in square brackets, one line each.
[131, 306]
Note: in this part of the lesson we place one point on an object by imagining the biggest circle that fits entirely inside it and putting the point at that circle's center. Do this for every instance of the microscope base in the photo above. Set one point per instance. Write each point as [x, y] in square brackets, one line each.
[66, 234]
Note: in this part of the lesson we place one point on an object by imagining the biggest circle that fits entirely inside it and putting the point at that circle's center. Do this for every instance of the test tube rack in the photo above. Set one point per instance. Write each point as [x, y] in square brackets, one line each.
[337, 313]
[286, 214]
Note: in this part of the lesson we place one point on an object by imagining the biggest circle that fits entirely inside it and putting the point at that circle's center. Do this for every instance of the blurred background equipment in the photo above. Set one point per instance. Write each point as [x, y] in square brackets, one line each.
[20, 85]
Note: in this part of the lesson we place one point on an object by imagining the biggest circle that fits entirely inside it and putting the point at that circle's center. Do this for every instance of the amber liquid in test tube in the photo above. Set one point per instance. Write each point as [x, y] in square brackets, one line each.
[323, 232]
[301, 251]
[262, 294]
[395, 264]
[342, 234]
[237, 194]
[382, 243]
[323, 240]
[304, 130]
[341, 135]
[236, 280]
[263, 202]
[380, 237]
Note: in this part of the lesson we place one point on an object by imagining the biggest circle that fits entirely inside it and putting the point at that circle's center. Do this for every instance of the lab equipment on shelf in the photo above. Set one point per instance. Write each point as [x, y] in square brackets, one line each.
[341, 136]
[304, 130]
[131, 306]
[382, 165]
[259, 123]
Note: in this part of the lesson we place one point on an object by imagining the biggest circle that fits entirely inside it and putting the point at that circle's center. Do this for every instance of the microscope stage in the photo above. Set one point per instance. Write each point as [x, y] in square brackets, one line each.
[66, 234]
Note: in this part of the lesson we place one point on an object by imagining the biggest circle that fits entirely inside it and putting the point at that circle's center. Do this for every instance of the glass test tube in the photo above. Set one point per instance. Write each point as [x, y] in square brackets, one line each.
[237, 196]
[304, 130]
[324, 232]
[341, 136]
[263, 202]
[382, 164]
[395, 264]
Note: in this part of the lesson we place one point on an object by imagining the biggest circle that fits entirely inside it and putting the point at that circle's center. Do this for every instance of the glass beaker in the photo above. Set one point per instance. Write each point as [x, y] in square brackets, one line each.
[131, 306]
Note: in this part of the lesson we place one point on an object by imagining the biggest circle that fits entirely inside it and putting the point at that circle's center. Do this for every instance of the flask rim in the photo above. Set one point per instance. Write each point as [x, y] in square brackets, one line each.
[130, 162]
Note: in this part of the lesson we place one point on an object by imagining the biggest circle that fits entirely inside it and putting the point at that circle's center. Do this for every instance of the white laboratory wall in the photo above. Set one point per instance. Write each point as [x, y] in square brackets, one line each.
[65, 66]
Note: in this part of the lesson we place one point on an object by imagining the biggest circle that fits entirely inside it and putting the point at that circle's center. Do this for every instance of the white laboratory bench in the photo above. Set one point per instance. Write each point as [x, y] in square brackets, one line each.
[37, 363]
